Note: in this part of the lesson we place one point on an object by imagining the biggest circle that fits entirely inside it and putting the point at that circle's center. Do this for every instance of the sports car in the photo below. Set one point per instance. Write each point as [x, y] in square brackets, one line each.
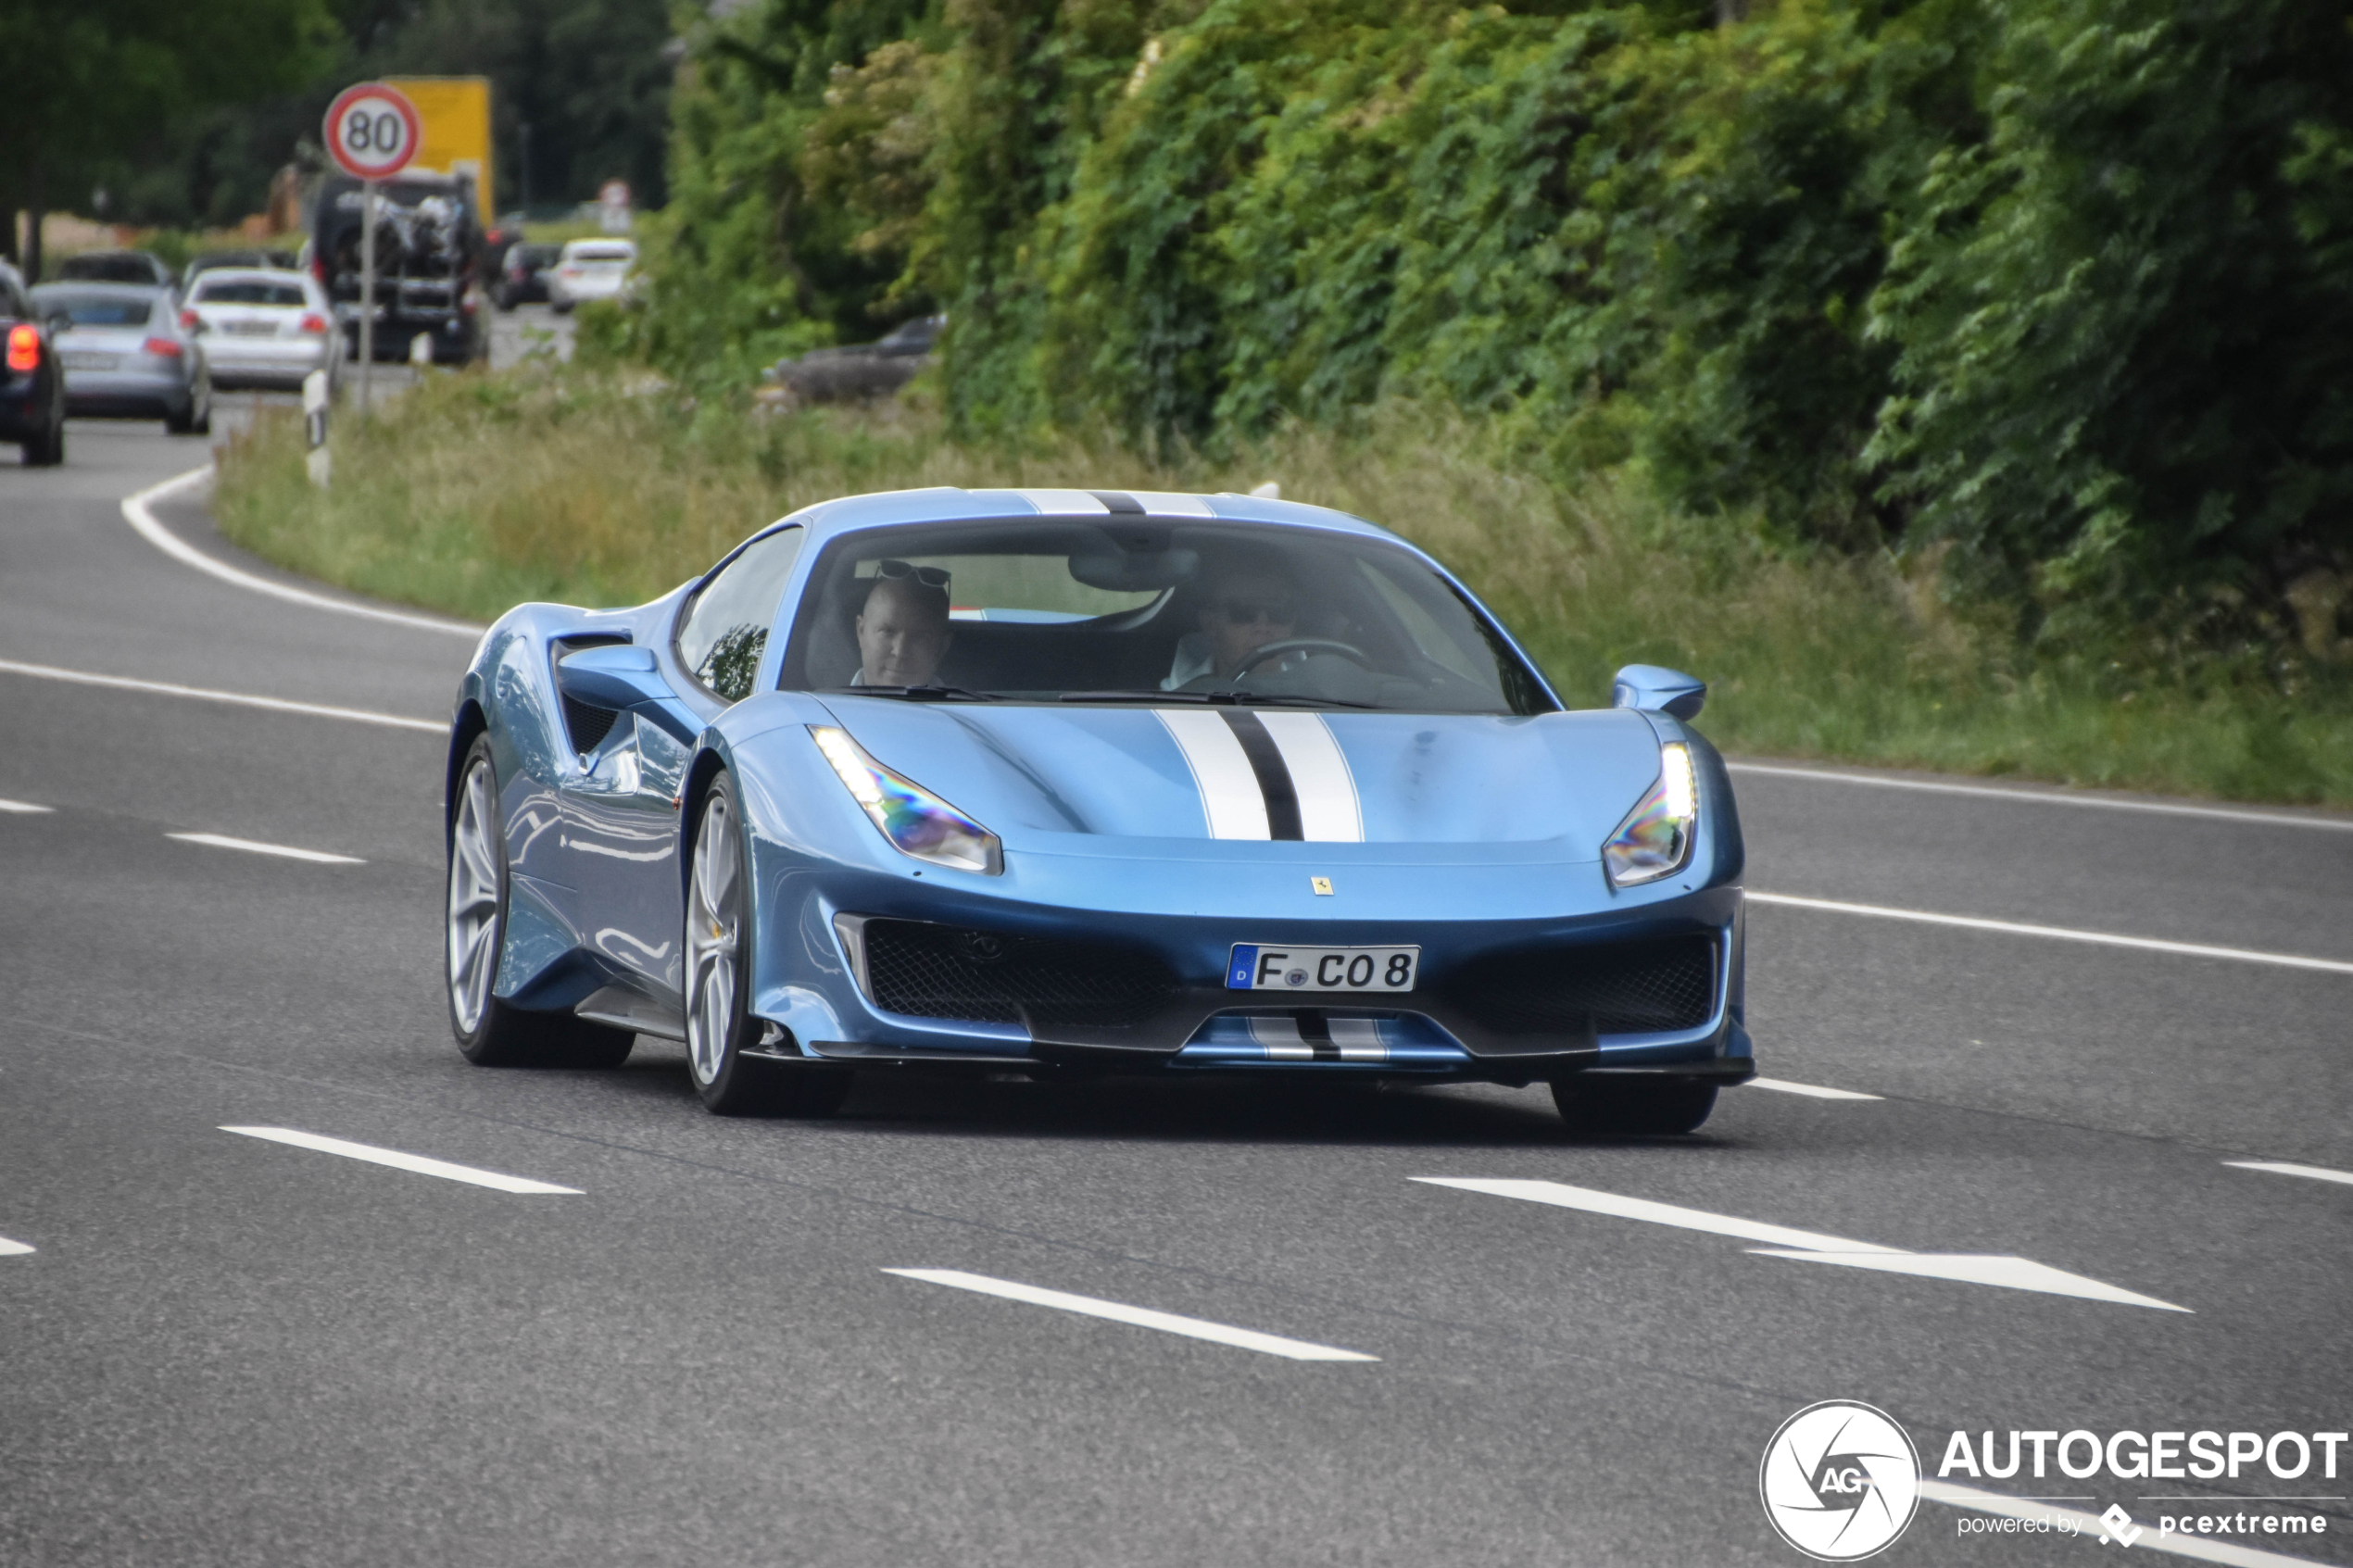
[1068, 782]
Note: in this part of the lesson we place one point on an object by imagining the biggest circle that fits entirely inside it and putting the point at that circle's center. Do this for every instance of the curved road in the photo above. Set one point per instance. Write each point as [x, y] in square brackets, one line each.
[225, 1348]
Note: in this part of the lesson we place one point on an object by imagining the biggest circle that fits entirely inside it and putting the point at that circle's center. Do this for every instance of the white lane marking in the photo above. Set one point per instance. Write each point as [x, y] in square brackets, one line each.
[136, 512]
[400, 1161]
[1982, 1267]
[2058, 933]
[1592, 1201]
[2016, 1274]
[2281, 1167]
[1812, 1091]
[12, 1248]
[1328, 811]
[1168, 1323]
[2052, 797]
[1064, 503]
[25, 807]
[1230, 798]
[251, 846]
[239, 699]
[2087, 1527]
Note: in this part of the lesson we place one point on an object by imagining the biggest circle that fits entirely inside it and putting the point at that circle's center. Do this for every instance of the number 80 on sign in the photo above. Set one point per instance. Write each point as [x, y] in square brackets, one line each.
[373, 130]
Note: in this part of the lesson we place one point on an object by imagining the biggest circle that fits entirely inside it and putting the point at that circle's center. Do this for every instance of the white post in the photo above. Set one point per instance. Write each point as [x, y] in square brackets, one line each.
[367, 288]
[314, 425]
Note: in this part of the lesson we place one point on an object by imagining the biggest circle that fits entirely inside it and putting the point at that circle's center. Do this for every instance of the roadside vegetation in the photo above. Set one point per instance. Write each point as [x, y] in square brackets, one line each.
[607, 486]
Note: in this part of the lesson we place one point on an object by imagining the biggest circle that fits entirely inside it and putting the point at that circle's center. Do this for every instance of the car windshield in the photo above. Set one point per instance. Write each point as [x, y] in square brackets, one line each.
[242, 291]
[97, 310]
[1070, 612]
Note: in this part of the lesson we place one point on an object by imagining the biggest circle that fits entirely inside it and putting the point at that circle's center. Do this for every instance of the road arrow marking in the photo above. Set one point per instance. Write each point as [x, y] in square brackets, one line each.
[1981, 1268]
[1141, 1317]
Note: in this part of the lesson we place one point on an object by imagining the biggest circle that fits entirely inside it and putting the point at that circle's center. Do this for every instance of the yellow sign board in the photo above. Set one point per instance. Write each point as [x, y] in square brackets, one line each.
[456, 110]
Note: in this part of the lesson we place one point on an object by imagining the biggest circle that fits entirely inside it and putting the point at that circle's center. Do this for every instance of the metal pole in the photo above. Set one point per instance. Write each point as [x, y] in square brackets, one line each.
[367, 288]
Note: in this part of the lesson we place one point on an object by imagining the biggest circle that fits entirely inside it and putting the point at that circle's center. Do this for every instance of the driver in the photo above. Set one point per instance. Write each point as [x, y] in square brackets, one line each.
[902, 632]
[1250, 604]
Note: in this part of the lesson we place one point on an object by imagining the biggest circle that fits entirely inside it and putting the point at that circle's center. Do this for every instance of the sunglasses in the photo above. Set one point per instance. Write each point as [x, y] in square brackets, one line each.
[1242, 612]
[900, 572]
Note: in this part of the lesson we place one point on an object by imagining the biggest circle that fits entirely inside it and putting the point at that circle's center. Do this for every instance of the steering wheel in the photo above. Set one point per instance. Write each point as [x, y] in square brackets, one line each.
[1303, 645]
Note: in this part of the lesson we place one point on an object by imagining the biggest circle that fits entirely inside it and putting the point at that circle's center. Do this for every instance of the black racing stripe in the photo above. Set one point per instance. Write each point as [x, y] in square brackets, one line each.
[1317, 1032]
[1119, 501]
[1274, 777]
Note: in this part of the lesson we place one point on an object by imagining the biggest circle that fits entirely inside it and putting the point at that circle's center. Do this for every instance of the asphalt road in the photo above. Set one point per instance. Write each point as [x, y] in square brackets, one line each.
[228, 1350]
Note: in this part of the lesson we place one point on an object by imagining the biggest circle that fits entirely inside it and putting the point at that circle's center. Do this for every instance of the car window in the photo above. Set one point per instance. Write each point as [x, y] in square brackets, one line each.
[243, 291]
[725, 627]
[99, 309]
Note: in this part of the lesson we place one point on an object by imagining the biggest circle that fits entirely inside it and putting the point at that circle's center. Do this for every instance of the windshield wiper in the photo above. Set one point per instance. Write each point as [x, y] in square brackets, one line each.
[919, 694]
[1218, 699]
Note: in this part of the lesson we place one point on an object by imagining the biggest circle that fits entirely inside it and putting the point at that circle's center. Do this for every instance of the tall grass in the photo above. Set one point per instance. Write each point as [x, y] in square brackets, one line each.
[475, 492]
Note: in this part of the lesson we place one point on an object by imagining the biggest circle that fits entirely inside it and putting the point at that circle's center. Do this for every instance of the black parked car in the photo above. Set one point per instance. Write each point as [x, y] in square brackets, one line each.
[524, 279]
[861, 369]
[32, 386]
[115, 267]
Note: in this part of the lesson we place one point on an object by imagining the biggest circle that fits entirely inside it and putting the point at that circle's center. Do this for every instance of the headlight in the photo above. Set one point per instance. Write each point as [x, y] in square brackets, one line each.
[1655, 838]
[916, 822]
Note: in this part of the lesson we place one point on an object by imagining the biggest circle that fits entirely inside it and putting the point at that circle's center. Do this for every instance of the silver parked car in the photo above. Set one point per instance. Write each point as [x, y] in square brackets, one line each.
[591, 269]
[127, 355]
[263, 328]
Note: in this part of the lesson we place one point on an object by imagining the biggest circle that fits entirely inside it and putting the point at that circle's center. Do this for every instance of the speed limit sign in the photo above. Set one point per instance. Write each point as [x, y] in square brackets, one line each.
[373, 130]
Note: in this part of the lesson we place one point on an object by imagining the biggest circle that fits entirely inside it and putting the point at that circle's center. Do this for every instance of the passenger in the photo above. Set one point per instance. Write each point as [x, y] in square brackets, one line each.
[1250, 604]
[903, 631]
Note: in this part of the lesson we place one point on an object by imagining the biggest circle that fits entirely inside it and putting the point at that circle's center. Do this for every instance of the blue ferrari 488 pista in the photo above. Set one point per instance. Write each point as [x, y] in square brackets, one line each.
[1067, 781]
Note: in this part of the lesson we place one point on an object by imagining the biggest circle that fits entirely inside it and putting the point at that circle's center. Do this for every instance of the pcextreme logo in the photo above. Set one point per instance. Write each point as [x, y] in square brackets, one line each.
[1840, 1481]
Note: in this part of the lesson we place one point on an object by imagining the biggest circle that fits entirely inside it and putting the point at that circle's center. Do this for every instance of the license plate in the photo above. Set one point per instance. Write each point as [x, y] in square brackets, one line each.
[254, 329]
[1266, 967]
[91, 361]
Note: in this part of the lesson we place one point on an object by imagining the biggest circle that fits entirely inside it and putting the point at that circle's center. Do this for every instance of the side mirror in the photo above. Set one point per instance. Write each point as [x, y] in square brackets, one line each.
[1654, 686]
[627, 678]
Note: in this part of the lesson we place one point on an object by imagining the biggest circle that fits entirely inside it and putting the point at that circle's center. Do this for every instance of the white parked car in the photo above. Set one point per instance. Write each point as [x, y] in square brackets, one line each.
[591, 269]
[263, 327]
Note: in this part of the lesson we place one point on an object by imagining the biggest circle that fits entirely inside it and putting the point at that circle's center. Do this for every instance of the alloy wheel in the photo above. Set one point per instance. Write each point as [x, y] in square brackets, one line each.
[473, 899]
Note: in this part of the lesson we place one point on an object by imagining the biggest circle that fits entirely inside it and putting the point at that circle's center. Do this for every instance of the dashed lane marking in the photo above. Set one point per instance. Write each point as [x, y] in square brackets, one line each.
[2051, 797]
[25, 807]
[2056, 933]
[2282, 1168]
[2089, 1526]
[1812, 1246]
[237, 699]
[1811, 1091]
[400, 1161]
[284, 851]
[137, 512]
[12, 1248]
[1141, 1317]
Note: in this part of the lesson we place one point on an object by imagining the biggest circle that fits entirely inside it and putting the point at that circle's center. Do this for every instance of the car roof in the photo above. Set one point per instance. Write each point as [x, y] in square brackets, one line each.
[849, 514]
[212, 275]
[574, 246]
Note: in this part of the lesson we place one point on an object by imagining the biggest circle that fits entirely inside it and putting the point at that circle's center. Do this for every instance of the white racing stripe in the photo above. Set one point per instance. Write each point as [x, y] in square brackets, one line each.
[399, 1161]
[2281, 1167]
[1328, 809]
[1812, 1091]
[25, 807]
[2058, 933]
[137, 512]
[1167, 503]
[1231, 797]
[12, 1248]
[238, 699]
[2051, 797]
[1141, 1317]
[252, 847]
[1065, 503]
[2087, 1527]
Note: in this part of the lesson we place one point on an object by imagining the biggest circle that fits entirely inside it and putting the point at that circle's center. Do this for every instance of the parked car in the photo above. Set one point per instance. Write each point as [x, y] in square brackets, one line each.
[126, 354]
[861, 369]
[32, 384]
[276, 260]
[429, 256]
[263, 327]
[115, 267]
[591, 269]
[524, 279]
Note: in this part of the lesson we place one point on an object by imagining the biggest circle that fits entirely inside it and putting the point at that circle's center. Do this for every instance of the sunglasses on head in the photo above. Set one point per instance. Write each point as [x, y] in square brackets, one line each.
[1241, 613]
[900, 571]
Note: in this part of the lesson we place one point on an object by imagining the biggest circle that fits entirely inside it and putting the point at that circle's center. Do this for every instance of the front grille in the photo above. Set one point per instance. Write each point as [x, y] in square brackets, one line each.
[946, 971]
[1613, 987]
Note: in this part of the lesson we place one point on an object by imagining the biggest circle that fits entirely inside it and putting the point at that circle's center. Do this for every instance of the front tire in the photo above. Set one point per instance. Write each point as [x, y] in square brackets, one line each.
[1649, 1107]
[490, 1032]
[719, 1027]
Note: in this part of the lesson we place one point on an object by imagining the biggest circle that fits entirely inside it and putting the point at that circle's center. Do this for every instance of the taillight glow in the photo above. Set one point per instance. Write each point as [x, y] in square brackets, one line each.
[162, 348]
[312, 323]
[188, 320]
[24, 346]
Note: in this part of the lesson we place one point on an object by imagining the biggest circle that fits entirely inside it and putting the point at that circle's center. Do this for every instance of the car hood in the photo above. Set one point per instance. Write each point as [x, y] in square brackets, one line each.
[1074, 779]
